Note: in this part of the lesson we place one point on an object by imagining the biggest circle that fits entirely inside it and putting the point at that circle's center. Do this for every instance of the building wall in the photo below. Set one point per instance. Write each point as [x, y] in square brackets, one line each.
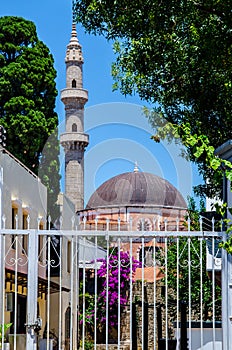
[137, 218]
[22, 190]
[21, 194]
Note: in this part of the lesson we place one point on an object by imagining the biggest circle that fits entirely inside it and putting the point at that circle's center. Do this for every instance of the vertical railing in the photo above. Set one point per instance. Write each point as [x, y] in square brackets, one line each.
[71, 295]
[60, 289]
[2, 261]
[60, 296]
[107, 288]
[2, 255]
[177, 293]
[2, 284]
[95, 293]
[154, 293]
[131, 296]
[119, 292]
[226, 297]
[201, 294]
[142, 308]
[83, 298]
[32, 288]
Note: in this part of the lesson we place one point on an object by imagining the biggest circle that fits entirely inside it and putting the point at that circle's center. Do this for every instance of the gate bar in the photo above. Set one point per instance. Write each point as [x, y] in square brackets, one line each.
[32, 290]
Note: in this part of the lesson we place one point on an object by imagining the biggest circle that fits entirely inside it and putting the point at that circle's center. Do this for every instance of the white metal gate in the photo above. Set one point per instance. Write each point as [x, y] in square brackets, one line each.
[114, 289]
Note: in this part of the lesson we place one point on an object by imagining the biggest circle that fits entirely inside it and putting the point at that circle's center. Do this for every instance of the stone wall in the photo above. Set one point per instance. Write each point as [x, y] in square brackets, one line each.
[148, 327]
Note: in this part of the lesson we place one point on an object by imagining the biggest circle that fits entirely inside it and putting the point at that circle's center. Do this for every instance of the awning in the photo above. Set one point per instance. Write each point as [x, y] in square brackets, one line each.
[89, 254]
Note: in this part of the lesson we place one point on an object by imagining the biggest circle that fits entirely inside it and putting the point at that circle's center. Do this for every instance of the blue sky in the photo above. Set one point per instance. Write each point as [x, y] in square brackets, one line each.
[119, 133]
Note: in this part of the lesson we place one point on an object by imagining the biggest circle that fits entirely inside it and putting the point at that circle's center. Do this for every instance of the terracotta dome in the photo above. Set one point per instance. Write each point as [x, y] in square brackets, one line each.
[136, 189]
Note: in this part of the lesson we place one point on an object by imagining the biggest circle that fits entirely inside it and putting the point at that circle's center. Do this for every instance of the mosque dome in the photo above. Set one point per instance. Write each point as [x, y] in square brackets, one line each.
[136, 189]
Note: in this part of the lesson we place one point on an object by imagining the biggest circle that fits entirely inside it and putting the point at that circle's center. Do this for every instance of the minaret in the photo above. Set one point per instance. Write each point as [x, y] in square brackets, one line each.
[74, 140]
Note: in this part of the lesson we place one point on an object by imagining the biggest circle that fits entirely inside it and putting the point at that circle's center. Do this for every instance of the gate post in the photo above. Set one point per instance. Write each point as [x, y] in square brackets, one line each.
[2, 262]
[226, 298]
[32, 289]
[225, 152]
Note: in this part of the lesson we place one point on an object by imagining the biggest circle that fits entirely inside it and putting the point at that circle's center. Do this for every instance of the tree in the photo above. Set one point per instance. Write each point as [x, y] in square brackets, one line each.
[175, 55]
[27, 99]
[49, 173]
[27, 90]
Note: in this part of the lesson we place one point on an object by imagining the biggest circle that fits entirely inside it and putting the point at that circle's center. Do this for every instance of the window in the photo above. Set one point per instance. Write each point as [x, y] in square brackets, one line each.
[14, 225]
[24, 237]
[25, 223]
[74, 127]
[144, 225]
[41, 244]
[74, 83]
[149, 255]
[14, 218]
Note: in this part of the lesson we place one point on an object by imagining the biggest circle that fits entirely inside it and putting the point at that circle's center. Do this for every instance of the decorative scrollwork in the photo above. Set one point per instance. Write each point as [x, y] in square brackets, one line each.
[190, 255]
[53, 244]
[10, 257]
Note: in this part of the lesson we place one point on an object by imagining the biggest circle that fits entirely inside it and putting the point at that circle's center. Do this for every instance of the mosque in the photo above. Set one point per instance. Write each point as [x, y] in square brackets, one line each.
[147, 200]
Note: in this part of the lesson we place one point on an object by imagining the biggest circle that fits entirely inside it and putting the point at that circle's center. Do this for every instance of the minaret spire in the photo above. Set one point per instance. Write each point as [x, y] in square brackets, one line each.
[73, 10]
[74, 140]
[136, 168]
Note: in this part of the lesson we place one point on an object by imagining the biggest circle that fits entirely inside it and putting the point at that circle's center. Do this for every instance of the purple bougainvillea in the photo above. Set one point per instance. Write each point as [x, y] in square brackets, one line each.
[114, 290]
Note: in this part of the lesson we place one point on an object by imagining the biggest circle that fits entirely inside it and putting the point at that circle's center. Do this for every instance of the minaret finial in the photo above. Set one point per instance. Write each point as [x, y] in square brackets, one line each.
[74, 52]
[73, 10]
[136, 169]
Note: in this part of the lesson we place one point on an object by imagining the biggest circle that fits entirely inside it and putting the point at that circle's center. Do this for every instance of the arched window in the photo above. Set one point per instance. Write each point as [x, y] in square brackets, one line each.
[147, 255]
[74, 83]
[144, 225]
[74, 127]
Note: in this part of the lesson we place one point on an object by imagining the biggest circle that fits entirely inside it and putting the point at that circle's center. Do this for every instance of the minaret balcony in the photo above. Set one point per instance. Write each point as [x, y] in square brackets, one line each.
[74, 94]
[74, 140]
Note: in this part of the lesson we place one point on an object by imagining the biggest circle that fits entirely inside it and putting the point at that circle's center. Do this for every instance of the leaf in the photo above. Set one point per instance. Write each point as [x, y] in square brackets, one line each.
[228, 174]
[199, 151]
[230, 210]
[215, 163]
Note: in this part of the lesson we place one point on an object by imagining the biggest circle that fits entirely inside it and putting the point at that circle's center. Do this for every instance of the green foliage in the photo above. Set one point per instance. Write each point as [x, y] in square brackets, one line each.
[184, 245]
[181, 252]
[88, 345]
[214, 167]
[177, 56]
[222, 209]
[89, 308]
[227, 245]
[27, 90]
[27, 97]
[49, 173]
[6, 326]
[193, 213]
